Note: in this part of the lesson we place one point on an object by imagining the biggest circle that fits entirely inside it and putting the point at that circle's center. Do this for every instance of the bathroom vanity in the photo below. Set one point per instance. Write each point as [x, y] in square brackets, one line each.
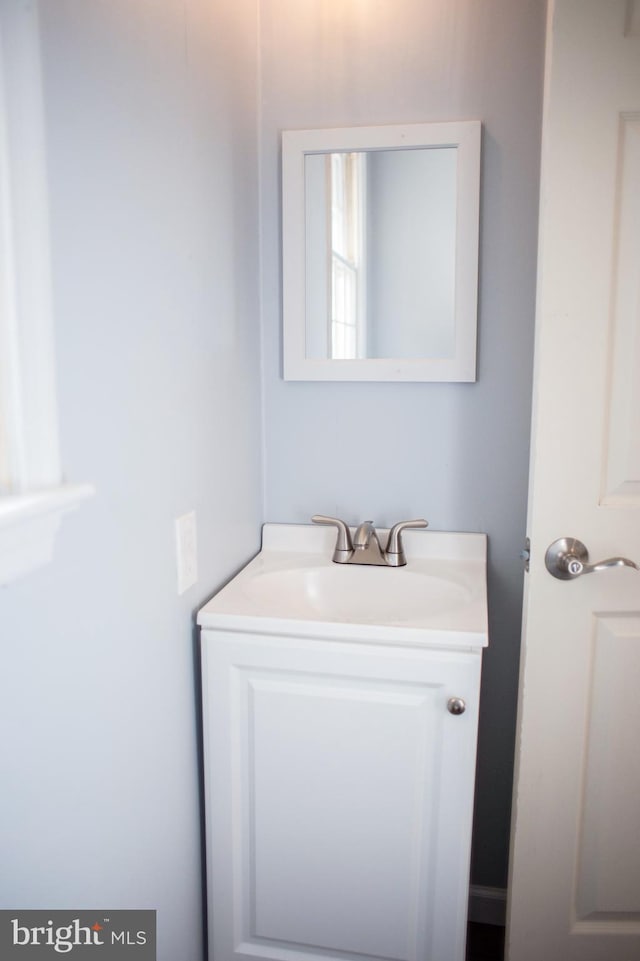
[340, 723]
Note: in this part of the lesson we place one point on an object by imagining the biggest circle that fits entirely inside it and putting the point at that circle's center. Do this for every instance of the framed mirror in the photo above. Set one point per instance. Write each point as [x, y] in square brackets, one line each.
[380, 252]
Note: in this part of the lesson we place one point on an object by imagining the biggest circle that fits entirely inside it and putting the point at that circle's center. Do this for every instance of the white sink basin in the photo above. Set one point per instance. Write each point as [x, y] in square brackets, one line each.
[366, 595]
[292, 587]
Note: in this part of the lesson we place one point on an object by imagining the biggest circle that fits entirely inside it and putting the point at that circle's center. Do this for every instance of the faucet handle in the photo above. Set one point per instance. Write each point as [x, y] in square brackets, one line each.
[394, 552]
[344, 545]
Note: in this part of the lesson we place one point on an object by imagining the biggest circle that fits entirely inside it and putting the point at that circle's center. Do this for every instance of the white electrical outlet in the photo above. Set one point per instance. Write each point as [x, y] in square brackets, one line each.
[187, 550]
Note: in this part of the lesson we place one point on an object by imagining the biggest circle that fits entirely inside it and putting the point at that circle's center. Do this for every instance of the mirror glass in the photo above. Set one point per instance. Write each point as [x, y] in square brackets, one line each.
[380, 252]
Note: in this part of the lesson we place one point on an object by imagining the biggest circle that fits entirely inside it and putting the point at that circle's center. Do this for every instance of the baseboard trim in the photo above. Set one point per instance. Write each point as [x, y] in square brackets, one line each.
[487, 905]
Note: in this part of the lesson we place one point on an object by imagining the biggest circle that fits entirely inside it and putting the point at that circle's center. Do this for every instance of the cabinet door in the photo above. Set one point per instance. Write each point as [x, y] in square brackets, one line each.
[339, 799]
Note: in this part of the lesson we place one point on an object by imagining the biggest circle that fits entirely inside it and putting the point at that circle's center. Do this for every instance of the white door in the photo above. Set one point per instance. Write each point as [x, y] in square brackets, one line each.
[339, 799]
[575, 868]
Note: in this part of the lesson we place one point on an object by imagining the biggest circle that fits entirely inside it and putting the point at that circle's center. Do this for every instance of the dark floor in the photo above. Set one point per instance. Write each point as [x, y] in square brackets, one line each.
[485, 942]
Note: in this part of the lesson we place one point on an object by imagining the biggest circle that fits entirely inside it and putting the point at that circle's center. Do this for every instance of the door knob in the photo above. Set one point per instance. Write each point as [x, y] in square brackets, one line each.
[568, 558]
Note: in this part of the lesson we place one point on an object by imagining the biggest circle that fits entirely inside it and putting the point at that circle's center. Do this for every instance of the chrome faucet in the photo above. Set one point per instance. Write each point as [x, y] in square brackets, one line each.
[365, 547]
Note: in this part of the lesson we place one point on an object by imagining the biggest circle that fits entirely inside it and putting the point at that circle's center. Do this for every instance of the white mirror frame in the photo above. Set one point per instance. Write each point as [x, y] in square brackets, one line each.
[465, 136]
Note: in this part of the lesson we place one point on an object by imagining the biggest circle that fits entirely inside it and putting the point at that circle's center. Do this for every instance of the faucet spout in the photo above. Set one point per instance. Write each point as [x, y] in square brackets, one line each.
[366, 546]
[363, 535]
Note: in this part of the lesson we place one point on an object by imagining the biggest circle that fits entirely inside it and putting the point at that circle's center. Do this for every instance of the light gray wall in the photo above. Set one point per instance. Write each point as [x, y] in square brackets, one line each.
[317, 265]
[456, 454]
[411, 249]
[151, 116]
[152, 151]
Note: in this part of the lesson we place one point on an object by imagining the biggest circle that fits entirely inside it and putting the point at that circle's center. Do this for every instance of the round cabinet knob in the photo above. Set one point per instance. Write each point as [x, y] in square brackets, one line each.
[456, 705]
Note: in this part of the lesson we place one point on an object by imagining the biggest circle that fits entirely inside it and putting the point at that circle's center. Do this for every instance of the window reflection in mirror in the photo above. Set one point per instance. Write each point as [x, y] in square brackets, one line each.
[380, 253]
[346, 172]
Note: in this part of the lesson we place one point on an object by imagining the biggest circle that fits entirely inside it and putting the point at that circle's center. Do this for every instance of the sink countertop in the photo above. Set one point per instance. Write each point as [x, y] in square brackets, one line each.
[438, 600]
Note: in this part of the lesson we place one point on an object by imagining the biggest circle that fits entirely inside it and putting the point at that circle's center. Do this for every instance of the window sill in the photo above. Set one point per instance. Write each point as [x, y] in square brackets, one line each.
[29, 524]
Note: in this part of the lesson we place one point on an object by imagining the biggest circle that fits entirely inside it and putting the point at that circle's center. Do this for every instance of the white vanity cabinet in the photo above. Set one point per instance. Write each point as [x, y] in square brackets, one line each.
[339, 792]
[340, 797]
